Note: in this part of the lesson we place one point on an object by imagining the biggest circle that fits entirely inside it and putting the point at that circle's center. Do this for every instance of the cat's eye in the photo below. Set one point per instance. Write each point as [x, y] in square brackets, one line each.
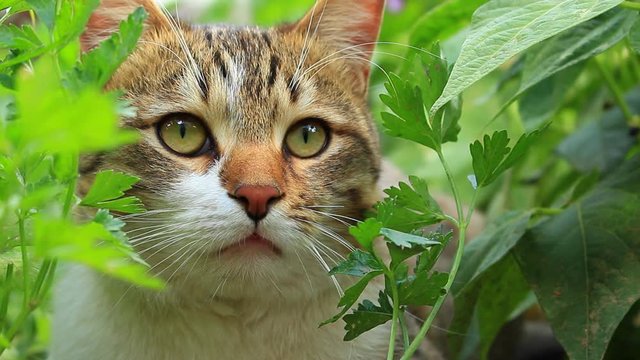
[307, 138]
[183, 134]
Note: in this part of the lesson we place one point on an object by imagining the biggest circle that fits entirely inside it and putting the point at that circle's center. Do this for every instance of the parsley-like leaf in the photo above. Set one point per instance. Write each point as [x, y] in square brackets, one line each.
[367, 316]
[409, 207]
[100, 63]
[366, 232]
[409, 101]
[108, 190]
[493, 156]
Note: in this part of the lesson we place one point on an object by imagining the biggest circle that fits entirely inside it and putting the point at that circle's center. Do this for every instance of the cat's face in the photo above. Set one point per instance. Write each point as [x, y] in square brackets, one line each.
[256, 145]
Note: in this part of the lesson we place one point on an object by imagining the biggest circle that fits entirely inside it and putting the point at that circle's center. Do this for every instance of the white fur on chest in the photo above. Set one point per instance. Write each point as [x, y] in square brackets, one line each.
[95, 320]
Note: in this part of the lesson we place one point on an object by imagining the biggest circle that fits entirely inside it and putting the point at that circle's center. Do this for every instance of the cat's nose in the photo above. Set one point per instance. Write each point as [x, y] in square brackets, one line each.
[257, 199]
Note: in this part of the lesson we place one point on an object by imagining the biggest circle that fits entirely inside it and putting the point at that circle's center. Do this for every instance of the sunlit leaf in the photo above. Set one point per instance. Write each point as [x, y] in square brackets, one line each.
[108, 190]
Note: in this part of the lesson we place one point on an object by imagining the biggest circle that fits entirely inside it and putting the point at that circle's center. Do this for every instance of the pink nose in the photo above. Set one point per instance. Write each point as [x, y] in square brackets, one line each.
[256, 199]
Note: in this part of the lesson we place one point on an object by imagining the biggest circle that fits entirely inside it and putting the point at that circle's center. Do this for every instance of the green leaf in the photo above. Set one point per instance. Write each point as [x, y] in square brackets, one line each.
[603, 144]
[92, 245]
[570, 49]
[54, 120]
[71, 19]
[19, 38]
[366, 232]
[408, 207]
[497, 296]
[423, 289]
[634, 36]
[422, 82]
[352, 294]
[494, 157]
[359, 263]
[405, 240]
[108, 190]
[45, 10]
[99, 64]
[583, 264]
[490, 247]
[446, 19]
[367, 316]
[501, 29]
[539, 103]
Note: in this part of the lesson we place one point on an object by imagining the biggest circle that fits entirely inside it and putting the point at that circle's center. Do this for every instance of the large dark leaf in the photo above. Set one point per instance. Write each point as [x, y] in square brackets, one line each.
[602, 144]
[584, 264]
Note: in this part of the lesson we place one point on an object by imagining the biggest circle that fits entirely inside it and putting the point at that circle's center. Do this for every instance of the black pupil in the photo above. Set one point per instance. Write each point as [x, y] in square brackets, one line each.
[306, 131]
[183, 129]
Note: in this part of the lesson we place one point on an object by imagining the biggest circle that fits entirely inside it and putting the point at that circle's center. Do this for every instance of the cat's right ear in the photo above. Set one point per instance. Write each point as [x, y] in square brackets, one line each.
[106, 19]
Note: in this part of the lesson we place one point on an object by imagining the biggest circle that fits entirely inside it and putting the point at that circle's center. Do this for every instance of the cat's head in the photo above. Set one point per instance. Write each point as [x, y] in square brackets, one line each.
[256, 146]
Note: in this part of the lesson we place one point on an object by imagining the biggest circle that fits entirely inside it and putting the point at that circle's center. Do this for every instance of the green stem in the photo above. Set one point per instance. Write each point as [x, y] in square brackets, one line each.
[415, 344]
[396, 315]
[463, 223]
[630, 5]
[548, 211]
[615, 90]
[6, 294]
[454, 188]
[405, 332]
[25, 262]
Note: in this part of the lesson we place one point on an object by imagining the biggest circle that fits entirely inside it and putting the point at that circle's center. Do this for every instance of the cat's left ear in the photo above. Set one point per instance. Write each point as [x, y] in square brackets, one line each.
[106, 19]
[349, 26]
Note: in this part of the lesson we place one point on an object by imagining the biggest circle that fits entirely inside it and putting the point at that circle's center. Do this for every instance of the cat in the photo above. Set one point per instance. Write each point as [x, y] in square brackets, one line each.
[255, 146]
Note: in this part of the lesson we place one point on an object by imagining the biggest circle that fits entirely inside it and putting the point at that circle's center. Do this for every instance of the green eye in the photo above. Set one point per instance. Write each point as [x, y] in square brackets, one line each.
[183, 134]
[307, 138]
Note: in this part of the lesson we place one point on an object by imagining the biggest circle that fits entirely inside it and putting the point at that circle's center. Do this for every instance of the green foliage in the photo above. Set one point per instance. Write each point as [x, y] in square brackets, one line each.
[54, 110]
[503, 28]
[597, 259]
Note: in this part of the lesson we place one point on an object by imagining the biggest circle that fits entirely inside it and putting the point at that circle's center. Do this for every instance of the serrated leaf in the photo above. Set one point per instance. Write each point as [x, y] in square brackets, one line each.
[367, 316]
[99, 64]
[352, 294]
[359, 263]
[107, 191]
[423, 289]
[408, 207]
[55, 121]
[583, 263]
[405, 240]
[366, 232]
[92, 245]
[408, 97]
[493, 156]
[501, 29]
[19, 38]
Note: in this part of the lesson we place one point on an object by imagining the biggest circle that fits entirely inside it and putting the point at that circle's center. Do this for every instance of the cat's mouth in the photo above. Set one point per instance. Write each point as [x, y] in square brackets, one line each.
[253, 244]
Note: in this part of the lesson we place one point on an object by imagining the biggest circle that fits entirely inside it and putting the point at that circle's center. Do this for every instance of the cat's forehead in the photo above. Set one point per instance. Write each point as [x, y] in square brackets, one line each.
[244, 75]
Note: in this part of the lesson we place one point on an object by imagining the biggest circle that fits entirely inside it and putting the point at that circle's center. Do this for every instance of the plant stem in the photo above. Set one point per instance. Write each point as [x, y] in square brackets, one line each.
[25, 262]
[396, 315]
[463, 223]
[415, 344]
[405, 332]
[6, 294]
[615, 90]
[454, 188]
[630, 5]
